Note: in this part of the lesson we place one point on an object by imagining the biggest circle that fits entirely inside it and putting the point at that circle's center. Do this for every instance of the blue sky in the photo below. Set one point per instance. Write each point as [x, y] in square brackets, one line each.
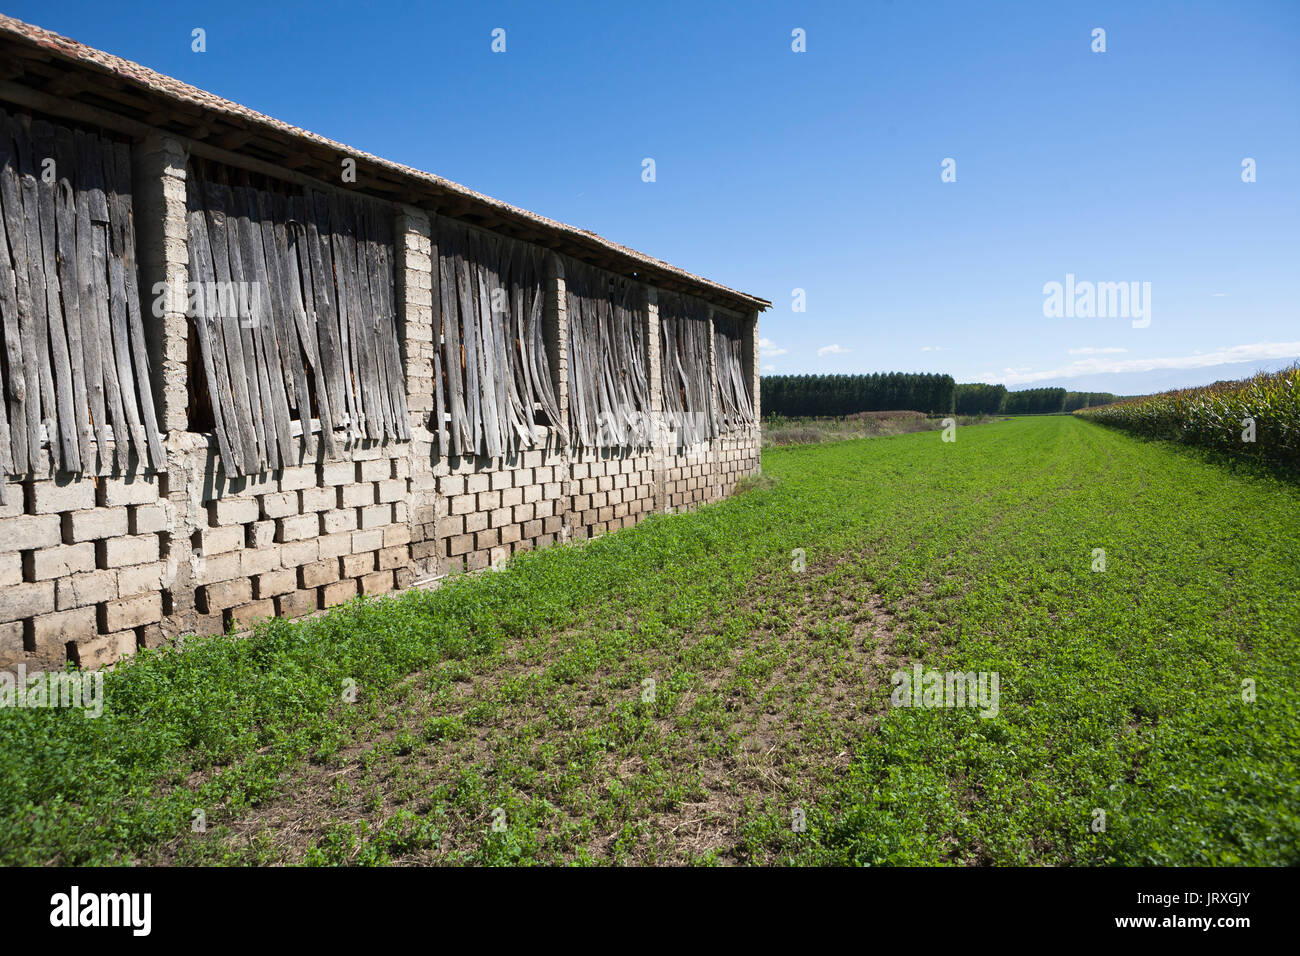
[820, 170]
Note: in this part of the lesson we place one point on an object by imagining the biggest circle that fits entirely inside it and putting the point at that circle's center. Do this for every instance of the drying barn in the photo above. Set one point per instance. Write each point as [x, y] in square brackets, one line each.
[246, 371]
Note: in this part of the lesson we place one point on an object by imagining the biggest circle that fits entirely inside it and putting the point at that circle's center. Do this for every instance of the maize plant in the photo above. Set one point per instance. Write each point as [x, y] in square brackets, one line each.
[1256, 418]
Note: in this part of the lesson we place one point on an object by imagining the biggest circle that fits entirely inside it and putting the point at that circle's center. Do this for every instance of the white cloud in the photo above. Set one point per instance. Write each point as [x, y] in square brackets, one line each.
[768, 347]
[769, 368]
[833, 350]
[1089, 350]
[1258, 351]
[933, 348]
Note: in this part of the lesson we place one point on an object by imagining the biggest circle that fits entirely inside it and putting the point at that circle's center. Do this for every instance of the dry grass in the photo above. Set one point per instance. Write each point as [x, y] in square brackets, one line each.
[779, 430]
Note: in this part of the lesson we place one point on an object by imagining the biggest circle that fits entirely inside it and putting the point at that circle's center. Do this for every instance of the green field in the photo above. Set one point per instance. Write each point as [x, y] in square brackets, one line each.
[1120, 690]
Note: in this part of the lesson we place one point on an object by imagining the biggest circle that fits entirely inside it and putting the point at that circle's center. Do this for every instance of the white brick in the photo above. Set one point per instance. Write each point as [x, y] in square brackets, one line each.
[130, 549]
[63, 494]
[30, 531]
[298, 527]
[148, 519]
[133, 491]
[60, 561]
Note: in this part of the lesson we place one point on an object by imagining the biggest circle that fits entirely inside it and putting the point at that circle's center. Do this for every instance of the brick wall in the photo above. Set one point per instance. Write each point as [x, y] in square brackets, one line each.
[612, 488]
[301, 539]
[491, 508]
[84, 561]
[94, 567]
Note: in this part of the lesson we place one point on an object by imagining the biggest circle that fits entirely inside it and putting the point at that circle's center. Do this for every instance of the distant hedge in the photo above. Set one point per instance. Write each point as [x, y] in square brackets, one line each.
[1077, 400]
[976, 398]
[1034, 401]
[1225, 416]
[1049, 401]
[818, 395]
[813, 396]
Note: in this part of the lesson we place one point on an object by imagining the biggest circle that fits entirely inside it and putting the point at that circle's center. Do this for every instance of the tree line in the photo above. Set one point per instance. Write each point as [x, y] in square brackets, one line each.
[1049, 401]
[819, 395]
[795, 396]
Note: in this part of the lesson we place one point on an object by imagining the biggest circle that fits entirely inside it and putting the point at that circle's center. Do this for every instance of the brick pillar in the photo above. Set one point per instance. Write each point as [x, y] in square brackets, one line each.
[162, 233]
[659, 435]
[749, 342]
[716, 442]
[161, 230]
[555, 333]
[749, 350]
[415, 267]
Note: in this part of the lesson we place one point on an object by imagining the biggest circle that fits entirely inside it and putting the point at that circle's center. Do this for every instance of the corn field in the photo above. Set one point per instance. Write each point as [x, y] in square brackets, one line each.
[1256, 418]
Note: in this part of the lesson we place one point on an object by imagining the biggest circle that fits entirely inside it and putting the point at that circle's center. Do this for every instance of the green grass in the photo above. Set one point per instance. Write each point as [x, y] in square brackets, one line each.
[523, 690]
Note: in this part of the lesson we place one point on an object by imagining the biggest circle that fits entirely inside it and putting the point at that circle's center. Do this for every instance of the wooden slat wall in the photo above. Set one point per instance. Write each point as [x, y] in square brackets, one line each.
[73, 362]
[492, 379]
[311, 331]
[609, 390]
[735, 409]
[688, 395]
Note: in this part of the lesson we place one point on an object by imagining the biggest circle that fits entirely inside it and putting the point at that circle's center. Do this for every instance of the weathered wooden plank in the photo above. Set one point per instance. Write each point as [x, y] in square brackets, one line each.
[130, 437]
[251, 440]
[508, 422]
[368, 329]
[699, 380]
[384, 230]
[327, 313]
[15, 296]
[608, 387]
[458, 424]
[11, 371]
[90, 304]
[734, 404]
[333, 228]
[272, 372]
[522, 386]
[226, 341]
[681, 368]
[497, 315]
[97, 287]
[261, 214]
[353, 305]
[361, 314]
[481, 310]
[254, 373]
[377, 327]
[443, 331]
[540, 361]
[211, 349]
[69, 284]
[606, 344]
[307, 317]
[139, 354]
[244, 272]
[9, 313]
[469, 347]
[64, 437]
[578, 375]
[301, 342]
[271, 211]
[38, 346]
[488, 372]
[397, 375]
[523, 389]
